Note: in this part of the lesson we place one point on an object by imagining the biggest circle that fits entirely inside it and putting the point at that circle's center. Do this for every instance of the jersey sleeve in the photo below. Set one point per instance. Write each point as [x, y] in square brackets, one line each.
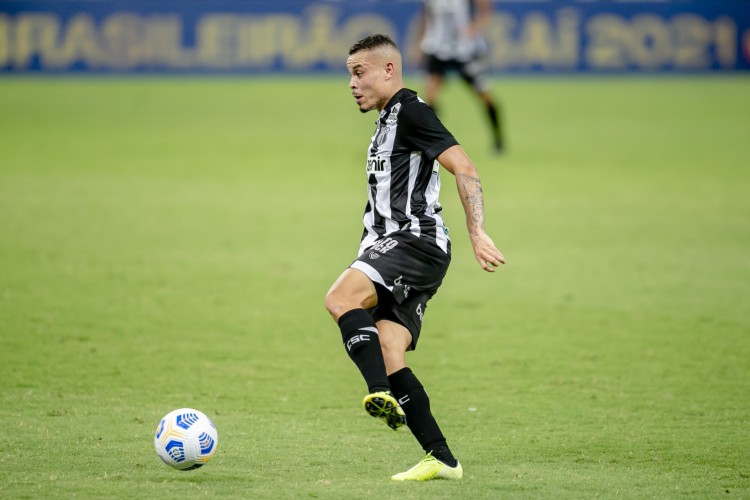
[424, 131]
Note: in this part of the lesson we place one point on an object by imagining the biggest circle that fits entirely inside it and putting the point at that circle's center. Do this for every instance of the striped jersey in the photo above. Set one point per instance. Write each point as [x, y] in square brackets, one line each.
[446, 26]
[403, 174]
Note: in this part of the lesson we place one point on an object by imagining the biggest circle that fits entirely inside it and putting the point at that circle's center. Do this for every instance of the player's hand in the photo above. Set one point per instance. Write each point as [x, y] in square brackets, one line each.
[488, 256]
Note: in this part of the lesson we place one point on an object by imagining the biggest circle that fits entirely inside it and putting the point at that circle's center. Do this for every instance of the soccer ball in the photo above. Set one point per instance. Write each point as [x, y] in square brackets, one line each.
[185, 439]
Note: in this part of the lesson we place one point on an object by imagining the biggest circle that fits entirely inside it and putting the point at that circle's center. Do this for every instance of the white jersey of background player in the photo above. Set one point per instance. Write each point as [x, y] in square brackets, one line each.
[448, 30]
[452, 41]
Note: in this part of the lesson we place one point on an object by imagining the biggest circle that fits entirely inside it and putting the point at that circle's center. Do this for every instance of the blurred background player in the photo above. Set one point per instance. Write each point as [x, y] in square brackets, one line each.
[450, 34]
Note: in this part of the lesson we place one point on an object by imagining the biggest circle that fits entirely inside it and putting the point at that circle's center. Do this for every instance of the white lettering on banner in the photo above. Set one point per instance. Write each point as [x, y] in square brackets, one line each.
[650, 42]
[320, 36]
[80, 42]
[124, 37]
[536, 40]
[725, 41]
[4, 40]
[32, 34]
[125, 40]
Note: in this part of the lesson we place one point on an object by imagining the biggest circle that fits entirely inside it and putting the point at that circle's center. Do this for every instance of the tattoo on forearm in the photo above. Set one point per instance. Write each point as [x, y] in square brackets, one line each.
[470, 191]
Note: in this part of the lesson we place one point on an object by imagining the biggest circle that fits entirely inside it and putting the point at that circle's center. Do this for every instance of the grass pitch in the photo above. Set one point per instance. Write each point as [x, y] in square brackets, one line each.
[167, 243]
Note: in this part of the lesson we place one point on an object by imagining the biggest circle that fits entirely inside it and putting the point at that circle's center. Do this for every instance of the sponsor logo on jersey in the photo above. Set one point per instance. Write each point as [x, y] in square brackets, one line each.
[384, 245]
[406, 288]
[375, 164]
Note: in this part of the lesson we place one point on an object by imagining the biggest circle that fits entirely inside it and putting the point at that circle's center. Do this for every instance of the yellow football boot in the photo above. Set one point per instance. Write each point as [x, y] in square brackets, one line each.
[384, 406]
[430, 468]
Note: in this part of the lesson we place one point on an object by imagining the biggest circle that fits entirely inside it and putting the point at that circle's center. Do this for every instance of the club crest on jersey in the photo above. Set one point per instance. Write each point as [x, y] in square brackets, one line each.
[382, 136]
[375, 164]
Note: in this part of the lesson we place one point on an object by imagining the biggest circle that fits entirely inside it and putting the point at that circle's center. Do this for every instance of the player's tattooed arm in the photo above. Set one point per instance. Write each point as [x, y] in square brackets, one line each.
[472, 198]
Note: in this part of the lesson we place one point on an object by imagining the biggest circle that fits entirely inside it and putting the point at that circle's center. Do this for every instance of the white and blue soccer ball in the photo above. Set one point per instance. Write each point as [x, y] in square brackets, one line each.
[186, 439]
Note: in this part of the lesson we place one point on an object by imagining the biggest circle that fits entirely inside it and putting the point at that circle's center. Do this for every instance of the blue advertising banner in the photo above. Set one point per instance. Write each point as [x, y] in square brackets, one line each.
[250, 37]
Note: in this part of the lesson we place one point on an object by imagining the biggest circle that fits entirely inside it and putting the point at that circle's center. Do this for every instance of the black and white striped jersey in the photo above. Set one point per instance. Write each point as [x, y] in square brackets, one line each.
[403, 174]
[446, 30]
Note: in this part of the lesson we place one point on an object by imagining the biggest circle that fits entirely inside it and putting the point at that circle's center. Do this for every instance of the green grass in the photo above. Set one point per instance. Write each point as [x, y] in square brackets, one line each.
[168, 243]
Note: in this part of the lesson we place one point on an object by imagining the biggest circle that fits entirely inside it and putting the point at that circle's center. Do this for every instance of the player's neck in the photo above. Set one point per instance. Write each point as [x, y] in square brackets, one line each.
[385, 101]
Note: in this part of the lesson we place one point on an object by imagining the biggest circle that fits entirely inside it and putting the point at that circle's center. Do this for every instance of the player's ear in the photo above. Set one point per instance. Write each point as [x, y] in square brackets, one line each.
[390, 69]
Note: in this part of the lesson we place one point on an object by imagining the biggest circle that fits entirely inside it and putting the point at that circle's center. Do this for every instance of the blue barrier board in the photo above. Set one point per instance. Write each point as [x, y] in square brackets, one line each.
[285, 36]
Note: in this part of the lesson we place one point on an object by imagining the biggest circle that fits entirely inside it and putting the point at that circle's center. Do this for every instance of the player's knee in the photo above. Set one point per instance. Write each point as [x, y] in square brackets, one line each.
[336, 304]
[331, 303]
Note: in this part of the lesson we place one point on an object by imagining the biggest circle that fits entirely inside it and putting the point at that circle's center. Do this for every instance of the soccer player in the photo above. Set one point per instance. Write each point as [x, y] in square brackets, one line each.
[380, 300]
[451, 40]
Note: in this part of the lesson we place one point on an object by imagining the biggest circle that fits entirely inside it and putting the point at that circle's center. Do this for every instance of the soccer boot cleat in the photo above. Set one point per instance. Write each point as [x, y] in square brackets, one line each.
[384, 406]
[430, 468]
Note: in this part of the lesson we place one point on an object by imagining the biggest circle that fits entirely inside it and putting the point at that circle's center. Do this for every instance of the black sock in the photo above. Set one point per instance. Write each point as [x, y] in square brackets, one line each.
[363, 345]
[416, 405]
[494, 116]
